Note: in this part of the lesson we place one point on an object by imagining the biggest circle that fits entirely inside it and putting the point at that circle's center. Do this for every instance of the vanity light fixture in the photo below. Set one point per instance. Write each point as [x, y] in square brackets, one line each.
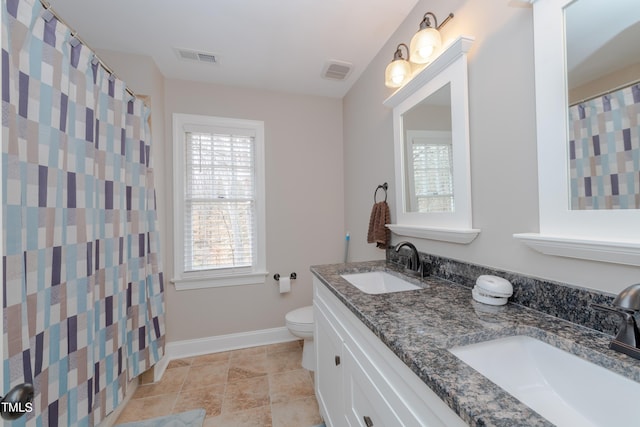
[399, 70]
[427, 40]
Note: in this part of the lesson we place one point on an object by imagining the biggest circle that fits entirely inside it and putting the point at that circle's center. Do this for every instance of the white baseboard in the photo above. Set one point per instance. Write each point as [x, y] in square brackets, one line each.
[218, 343]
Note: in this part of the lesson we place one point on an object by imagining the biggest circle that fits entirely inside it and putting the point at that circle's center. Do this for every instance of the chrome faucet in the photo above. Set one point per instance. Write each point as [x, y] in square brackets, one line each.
[626, 304]
[413, 263]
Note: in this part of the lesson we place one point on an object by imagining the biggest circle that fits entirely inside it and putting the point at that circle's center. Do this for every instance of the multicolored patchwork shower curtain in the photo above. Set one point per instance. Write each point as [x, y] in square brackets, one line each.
[604, 151]
[83, 290]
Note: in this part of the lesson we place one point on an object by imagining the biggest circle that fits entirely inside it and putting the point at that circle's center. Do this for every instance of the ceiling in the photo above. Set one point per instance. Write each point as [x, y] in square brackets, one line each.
[280, 45]
[601, 40]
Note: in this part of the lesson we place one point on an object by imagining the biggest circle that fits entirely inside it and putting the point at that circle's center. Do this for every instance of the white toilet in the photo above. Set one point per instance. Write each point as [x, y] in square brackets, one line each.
[300, 324]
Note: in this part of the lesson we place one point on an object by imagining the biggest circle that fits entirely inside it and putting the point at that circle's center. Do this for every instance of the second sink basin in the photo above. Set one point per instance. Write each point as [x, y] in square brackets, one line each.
[562, 387]
[378, 282]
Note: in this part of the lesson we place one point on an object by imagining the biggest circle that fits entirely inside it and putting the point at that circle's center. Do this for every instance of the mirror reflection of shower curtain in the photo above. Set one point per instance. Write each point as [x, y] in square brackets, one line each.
[604, 151]
[84, 297]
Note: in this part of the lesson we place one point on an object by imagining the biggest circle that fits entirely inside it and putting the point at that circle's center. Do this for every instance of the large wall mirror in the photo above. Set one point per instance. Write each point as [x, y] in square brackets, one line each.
[431, 140]
[587, 77]
[603, 83]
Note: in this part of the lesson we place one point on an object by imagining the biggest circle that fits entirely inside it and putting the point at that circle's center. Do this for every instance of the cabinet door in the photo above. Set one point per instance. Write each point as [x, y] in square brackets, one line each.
[365, 404]
[329, 366]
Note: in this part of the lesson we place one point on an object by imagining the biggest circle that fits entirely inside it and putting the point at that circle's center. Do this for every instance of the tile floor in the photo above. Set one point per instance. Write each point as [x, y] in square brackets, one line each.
[255, 387]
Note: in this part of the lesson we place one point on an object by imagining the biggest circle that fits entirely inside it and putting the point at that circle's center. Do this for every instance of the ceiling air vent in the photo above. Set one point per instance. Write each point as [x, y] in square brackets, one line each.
[336, 70]
[194, 55]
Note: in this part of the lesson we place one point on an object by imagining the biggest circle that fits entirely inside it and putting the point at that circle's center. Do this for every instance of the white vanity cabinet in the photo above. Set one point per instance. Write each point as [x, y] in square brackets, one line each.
[360, 382]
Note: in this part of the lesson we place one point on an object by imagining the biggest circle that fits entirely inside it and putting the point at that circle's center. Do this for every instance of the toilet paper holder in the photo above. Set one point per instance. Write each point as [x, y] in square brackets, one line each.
[293, 276]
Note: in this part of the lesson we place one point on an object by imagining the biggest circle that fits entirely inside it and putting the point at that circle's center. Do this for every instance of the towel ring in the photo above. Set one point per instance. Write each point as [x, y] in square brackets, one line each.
[384, 186]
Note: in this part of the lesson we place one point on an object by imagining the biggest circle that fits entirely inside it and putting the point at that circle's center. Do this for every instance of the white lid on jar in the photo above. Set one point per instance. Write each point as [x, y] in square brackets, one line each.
[494, 286]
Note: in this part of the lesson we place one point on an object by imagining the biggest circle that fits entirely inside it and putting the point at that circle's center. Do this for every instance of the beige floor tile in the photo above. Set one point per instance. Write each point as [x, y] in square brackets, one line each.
[290, 385]
[171, 382]
[247, 352]
[205, 359]
[206, 375]
[239, 388]
[246, 394]
[296, 413]
[283, 346]
[256, 417]
[207, 398]
[284, 361]
[247, 367]
[149, 407]
[178, 363]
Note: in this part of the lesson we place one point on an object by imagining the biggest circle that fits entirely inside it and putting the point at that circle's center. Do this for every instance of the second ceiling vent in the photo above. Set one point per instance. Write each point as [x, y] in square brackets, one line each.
[194, 55]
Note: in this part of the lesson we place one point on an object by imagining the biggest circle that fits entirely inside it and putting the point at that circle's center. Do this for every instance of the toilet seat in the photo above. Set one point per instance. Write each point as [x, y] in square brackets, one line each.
[300, 324]
[300, 318]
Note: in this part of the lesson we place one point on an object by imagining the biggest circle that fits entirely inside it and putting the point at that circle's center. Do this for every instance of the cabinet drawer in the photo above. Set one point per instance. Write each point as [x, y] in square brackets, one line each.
[365, 404]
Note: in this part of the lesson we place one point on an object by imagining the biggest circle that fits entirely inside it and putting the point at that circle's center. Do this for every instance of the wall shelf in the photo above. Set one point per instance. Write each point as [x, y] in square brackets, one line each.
[627, 253]
[462, 236]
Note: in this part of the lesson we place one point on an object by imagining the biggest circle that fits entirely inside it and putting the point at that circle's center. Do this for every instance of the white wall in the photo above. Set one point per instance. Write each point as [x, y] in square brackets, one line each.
[305, 208]
[502, 138]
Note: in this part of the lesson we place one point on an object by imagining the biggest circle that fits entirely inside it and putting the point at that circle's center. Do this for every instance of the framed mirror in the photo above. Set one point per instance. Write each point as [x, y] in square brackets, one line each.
[603, 85]
[431, 148]
[428, 154]
[572, 39]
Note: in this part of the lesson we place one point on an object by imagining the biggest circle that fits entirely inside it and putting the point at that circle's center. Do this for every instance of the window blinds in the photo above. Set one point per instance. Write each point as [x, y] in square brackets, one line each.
[220, 205]
[433, 176]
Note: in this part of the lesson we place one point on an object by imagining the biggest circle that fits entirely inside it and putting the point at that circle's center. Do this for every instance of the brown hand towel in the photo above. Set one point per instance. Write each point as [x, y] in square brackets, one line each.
[378, 233]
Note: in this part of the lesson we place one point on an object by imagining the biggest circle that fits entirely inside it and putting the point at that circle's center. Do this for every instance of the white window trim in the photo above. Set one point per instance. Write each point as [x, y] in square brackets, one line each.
[211, 279]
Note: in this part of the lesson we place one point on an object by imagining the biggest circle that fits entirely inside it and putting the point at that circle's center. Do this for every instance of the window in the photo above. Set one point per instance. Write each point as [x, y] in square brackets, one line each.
[430, 170]
[218, 202]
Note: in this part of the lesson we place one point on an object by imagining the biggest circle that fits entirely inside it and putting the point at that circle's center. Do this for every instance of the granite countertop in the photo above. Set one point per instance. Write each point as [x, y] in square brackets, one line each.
[419, 326]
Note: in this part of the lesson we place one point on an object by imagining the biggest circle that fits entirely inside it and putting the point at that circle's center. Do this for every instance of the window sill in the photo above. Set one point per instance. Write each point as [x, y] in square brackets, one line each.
[186, 284]
[452, 235]
[617, 252]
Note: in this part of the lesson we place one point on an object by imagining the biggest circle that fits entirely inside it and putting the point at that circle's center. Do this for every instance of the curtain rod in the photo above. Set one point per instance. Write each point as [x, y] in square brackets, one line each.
[74, 34]
[607, 92]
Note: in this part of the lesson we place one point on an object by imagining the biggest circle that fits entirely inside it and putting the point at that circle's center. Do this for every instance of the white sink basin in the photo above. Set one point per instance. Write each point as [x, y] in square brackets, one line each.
[378, 282]
[563, 388]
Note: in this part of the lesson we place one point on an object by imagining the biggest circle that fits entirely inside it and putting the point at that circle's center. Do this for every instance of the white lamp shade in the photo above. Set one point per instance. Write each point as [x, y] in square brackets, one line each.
[424, 44]
[397, 73]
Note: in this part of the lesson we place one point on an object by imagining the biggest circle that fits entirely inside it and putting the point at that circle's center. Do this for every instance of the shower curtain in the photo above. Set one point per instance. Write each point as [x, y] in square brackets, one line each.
[604, 151]
[83, 289]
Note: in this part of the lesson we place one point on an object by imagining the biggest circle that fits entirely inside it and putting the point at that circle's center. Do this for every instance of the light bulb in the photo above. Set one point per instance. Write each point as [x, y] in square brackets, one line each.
[397, 72]
[425, 51]
[424, 44]
[397, 79]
